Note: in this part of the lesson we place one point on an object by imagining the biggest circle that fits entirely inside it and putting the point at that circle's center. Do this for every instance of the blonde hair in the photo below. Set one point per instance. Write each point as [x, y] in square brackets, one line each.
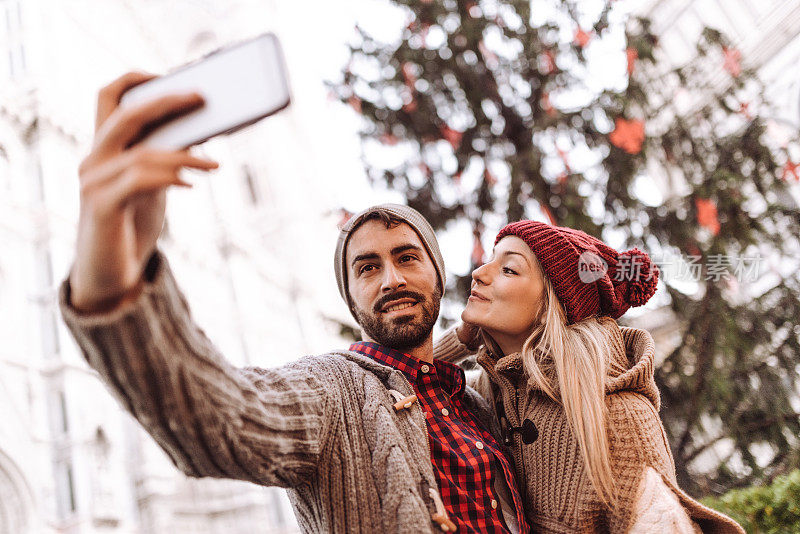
[575, 358]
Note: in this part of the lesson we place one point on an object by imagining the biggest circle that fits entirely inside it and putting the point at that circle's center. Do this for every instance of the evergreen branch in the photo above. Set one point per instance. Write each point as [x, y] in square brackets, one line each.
[743, 430]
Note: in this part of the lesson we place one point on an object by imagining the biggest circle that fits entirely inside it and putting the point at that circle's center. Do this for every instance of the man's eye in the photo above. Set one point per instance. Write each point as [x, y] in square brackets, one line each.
[365, 268]
[407, 257]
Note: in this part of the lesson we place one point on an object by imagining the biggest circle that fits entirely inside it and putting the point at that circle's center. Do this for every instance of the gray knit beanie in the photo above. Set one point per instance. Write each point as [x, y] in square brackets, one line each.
[411, 217]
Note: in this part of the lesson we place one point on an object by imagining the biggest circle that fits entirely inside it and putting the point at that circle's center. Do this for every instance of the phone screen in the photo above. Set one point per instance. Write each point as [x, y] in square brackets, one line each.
[241, 84]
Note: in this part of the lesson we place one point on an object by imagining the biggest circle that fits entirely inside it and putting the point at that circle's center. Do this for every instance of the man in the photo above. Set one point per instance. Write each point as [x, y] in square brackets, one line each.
[380, 438]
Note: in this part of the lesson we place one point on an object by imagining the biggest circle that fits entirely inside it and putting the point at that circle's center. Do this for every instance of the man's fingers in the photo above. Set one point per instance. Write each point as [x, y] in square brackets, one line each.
[141, 162]
[136, 181]
[166, 158]
[109, 96]
[126, 125]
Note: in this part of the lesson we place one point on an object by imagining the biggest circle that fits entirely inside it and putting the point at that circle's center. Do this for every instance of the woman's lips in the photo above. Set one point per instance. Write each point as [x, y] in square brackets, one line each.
[474, 296]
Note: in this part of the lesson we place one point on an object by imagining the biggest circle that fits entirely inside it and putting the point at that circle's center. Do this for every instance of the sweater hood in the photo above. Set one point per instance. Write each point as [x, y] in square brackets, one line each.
[635, 351]
[632, 362]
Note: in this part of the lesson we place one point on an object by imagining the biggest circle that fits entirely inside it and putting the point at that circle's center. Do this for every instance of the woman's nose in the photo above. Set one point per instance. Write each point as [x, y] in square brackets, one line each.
[481, 274]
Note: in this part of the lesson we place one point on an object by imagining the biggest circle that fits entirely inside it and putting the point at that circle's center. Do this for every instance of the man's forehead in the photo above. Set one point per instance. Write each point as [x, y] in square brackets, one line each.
[373, 236]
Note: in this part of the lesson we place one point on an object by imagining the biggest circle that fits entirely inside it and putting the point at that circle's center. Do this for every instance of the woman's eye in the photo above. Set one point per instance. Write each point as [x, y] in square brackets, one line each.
[509, 270]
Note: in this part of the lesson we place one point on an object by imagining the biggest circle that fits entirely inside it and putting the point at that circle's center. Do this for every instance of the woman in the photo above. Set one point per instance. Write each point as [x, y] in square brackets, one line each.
[574, 392]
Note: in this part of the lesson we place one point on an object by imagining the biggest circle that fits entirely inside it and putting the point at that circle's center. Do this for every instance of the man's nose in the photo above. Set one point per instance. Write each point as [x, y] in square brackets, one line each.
[393, 279]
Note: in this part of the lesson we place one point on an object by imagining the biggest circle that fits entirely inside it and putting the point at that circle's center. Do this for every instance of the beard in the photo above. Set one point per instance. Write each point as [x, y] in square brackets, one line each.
[405, 332]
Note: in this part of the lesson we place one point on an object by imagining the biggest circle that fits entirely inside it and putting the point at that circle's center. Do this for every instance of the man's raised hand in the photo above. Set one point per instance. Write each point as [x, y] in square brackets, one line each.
[123, 195]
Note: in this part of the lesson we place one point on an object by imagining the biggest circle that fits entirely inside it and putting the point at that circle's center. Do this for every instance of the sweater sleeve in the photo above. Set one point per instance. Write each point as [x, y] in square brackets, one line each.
[658, 509]
[450, 349]
[267, 426]
[638, 442]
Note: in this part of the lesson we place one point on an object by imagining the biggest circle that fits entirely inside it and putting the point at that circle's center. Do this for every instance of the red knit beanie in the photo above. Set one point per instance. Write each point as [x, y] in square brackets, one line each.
[589, 277]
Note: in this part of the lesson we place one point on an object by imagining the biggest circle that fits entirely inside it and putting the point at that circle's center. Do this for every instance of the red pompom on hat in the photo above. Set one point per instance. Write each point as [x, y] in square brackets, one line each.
[589, 277]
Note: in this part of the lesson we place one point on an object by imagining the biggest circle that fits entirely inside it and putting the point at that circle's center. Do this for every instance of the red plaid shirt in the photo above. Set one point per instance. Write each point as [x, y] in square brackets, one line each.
[465, 456]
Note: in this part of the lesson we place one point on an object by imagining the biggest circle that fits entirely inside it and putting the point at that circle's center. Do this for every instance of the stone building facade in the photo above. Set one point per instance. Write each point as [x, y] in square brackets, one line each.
[251, 247]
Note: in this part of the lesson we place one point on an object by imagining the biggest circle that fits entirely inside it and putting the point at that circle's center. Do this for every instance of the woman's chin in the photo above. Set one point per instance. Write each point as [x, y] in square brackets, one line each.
[471, 316]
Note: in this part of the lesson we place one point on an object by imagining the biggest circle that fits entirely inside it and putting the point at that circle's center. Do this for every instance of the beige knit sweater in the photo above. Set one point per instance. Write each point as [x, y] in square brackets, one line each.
[325, 427]
[559, 497]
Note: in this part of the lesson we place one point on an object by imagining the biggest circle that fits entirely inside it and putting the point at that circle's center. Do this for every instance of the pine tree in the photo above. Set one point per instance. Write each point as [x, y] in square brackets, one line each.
[494, 116]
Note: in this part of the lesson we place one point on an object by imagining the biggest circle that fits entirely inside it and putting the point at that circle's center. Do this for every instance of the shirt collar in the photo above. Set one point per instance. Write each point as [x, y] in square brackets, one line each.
[450, 376]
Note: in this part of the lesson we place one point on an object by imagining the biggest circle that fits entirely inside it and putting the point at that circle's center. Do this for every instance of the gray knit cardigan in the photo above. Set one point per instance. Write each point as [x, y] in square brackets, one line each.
[324, 427]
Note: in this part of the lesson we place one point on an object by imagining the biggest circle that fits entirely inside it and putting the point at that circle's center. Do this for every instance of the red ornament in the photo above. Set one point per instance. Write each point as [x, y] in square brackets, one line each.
[628, 135]
[669, 155]
[547, 106]
[411, 105]
[563, 155]
[489, 178]
[582, 37]
[694, 250]
[344, 216]
[488, 56]
[791, 168]
[389, 139]
[414, 26]
[548, 214]
[562, 178]
[457, 177]
[732, 61]
[355, 103]
[744, 109]
[707, 214]
[632, 54]
[452, 136]
[408, 75]
[477, 248]
[424, 32]
[547, 62]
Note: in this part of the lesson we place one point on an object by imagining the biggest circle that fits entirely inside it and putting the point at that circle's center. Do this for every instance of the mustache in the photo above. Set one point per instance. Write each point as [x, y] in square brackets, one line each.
[404, 294]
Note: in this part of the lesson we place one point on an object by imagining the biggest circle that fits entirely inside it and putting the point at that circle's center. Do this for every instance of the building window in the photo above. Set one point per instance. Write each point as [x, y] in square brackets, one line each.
[11, 11]
[50, 342]
[103, 505]
[252, 186]
[58, 416]
[65, 490]
[5, 171]
[62, 405]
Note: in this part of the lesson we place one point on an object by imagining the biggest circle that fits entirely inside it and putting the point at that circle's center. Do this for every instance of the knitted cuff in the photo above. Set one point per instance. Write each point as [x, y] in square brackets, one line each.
[450, 349]
[157, 276]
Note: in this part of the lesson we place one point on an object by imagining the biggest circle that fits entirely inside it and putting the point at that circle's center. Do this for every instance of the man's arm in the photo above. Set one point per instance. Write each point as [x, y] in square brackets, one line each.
[266, 426]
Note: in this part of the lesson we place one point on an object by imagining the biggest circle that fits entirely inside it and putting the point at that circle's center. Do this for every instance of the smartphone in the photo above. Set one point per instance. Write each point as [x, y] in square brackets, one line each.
[241, 84]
